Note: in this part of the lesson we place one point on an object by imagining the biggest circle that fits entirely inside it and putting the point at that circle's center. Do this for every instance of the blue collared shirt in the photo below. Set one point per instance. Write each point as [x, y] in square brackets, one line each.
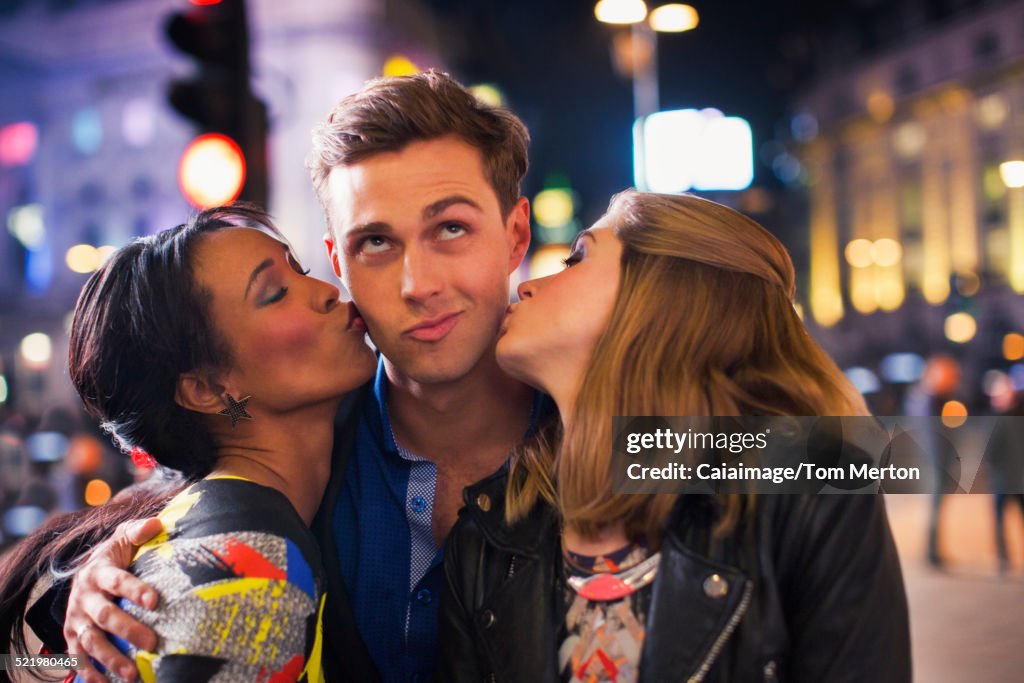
[382, 527]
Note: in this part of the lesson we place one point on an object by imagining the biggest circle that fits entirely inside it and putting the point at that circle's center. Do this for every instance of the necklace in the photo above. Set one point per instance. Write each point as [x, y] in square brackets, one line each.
[613, 586]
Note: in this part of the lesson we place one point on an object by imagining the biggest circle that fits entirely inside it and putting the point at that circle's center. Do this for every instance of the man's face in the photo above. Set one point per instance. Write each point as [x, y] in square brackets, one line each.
[426, 254]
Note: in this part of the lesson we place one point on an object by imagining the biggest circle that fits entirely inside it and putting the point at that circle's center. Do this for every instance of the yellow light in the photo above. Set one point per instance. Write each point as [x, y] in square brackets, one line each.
[886, 252]
[889, 291]
[26, 224]
[488, 94]
[954, 414]
[862, 293]
[992, 183]
[992, 111]
[97, 492]
[859, 253]
[212, 171]
[553, 208]
[548, 260]
[960, 328]
[399, 65]
[880, 106]
[1013, 346]
[1012, 173]
[620, 11]
[105, 252]
[82, 258]
[36, 350]
[909, 139]
[674, 18]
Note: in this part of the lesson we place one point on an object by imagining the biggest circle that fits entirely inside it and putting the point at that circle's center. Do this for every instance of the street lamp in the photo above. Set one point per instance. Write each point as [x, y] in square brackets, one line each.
[636, 52]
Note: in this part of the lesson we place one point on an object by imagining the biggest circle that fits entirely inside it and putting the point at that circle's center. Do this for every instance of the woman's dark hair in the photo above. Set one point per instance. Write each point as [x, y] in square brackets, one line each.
[140, 322]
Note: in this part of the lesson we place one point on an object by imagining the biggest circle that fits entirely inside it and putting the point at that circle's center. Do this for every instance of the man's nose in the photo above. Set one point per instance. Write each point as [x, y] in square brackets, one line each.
[421, 275]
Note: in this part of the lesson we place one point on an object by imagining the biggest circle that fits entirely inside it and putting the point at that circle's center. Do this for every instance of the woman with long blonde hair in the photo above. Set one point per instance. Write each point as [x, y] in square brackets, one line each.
[670, 306]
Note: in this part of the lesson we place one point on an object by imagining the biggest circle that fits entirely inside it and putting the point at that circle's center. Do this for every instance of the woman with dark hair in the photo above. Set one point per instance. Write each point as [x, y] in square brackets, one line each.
[670, 306]
[206, 349]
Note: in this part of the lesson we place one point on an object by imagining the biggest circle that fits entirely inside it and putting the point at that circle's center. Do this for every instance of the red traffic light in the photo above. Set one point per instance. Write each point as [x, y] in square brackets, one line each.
[205, 2]
[212, 171]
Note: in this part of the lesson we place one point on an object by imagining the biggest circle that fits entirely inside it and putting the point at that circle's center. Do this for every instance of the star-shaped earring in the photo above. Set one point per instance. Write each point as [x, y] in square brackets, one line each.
[236, 409]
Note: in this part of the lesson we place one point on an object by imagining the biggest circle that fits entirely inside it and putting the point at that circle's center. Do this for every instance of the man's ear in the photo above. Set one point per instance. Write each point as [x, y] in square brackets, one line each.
[518, 224]
[332, 253]
[197, 392]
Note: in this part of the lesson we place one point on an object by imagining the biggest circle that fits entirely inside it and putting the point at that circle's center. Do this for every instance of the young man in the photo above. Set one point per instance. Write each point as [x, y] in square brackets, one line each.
[420, 183]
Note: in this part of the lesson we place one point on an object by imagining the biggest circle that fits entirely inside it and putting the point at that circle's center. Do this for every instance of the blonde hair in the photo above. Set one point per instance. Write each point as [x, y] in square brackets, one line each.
[704, 324]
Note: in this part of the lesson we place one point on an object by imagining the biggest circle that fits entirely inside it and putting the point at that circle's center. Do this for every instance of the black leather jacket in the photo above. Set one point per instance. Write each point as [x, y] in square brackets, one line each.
[808, 588]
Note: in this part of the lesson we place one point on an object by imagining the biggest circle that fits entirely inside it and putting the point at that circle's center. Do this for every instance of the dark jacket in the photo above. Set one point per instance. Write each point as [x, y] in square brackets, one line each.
[808, 588]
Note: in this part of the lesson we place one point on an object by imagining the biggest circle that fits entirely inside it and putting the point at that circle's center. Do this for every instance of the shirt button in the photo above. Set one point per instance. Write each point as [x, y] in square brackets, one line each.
[424, 596]
[487, 619]
[418, 504]
[483, 501]
[715, 586]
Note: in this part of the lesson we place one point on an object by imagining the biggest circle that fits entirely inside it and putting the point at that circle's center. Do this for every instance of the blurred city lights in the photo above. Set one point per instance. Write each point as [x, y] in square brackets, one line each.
[863, 379]
[553, 208]
[994, 382]
[992, 184]
[1012, 173]
[399, 65]
[880, 106]
[18, 143]
[886, 252]
[1017, 376]
[968, 284]
[86, 130]
[212, 171]
[888, 290]
[548, 260]
[97, 492]
[82, 258]
[36, 350]
[803, 126]
[46, 446]
[674, 18]
[992, 111]
[620, 11]
[902, 368]
[678, 150]
[954, 414]
[3, 389]
[488, 93]
[26, 224]
[960, 327]
[909, 139]
[38, 269]
[858, 253]
[1013, 346]
[138, 122]
[205, 2]
[105, 252]
[22, 520]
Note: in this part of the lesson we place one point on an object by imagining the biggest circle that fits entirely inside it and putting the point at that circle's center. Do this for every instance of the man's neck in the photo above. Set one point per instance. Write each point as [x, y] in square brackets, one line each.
[484, 413]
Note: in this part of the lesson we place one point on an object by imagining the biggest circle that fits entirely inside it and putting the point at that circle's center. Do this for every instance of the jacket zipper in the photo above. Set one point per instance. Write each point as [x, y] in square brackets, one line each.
[716, 647]
[511, 568]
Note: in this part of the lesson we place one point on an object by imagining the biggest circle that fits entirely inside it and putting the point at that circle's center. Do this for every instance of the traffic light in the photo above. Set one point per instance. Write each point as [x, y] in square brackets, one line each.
[217, 96]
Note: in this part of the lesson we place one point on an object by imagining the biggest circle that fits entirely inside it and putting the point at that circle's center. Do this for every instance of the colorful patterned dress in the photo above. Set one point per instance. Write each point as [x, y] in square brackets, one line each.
[241, 589]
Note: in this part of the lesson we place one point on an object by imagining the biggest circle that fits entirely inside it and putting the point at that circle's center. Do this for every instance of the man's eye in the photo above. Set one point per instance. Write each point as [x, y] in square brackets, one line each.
[452, 230]
[374, 244]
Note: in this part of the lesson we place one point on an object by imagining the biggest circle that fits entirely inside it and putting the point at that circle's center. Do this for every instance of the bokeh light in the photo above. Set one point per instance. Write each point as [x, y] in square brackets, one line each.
[960, 327]
[36, 350]
[212, 171]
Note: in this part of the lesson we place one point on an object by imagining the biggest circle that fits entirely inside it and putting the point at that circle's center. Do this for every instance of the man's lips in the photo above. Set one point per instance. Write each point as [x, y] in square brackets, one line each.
[433, 329]
[355, 321]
